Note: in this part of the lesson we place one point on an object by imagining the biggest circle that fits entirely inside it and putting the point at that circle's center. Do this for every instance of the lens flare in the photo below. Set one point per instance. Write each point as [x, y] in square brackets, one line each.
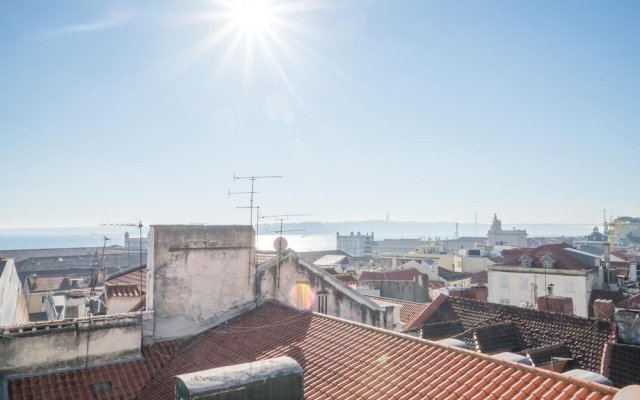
[302, 296]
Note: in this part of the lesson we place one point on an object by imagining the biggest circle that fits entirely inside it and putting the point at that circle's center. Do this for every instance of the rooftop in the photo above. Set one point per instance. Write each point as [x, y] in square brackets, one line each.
[560, 253]
[586, 338]
[136, 275]
[339, 359]
[410, 274]
[409, 310]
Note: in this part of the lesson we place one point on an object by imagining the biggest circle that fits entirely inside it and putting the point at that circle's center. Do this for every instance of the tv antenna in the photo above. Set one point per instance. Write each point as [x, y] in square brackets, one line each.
[280, 243]
[251, 206]
[252, 192]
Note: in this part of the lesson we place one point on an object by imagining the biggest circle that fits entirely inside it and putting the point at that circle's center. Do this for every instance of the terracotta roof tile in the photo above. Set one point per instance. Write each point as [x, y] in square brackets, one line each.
[133, 276]
[347, 278]
[562, 259]
[341, 360]
[123, 290]
[409, 310]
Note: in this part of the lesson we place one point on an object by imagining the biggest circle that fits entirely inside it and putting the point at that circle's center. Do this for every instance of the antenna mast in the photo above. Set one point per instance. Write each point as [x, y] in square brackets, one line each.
[251, 206]
[280, 241]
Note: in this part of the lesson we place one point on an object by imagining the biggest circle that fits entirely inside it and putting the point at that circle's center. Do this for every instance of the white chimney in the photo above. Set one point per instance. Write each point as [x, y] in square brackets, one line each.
[633, 272]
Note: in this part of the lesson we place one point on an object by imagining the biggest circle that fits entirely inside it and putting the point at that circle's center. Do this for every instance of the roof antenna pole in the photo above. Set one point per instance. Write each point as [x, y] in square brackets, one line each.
[280, 242]
[251, 207]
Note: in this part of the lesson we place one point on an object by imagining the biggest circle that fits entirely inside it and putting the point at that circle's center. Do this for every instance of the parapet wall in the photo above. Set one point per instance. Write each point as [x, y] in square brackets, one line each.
[198, 276]
[51, 345]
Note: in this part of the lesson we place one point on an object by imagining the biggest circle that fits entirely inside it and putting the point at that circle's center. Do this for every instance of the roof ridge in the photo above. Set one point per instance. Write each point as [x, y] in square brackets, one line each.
[535, 370]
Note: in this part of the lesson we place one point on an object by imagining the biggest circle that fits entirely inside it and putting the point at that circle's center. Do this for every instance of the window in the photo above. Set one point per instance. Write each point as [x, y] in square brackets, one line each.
[71, 312]
[569, 288]
[524, 283]
[322, 302]
[526, 263]
[547, 263]
[504, 281]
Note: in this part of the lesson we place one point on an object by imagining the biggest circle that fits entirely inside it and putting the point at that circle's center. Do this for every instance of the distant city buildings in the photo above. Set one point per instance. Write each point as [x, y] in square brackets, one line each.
[356, 245]
[209, 308]
[499, 237]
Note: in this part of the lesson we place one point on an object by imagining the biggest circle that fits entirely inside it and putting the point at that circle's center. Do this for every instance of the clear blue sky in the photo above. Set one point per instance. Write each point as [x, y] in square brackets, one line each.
[429, 110]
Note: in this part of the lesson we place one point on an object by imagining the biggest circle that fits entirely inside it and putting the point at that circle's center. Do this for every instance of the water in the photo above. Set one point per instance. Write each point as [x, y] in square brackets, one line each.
[53, 238]
[49, 238]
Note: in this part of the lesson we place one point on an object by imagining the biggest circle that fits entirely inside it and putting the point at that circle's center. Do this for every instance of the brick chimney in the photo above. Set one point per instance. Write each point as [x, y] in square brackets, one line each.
[603, 309]
[557, 304]
[479, 293]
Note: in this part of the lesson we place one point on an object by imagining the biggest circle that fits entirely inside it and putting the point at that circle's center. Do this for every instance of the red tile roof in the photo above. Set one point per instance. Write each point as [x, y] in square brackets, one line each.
[409, 310]
[347, 278]
[562, 259]
[410, 274]
[341, 360]
[136, 275]
[127, 379]
[123, 290]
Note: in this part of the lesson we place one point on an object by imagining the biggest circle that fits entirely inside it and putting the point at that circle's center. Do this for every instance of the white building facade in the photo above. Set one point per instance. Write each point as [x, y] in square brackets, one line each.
[521, 286]
[356, 245]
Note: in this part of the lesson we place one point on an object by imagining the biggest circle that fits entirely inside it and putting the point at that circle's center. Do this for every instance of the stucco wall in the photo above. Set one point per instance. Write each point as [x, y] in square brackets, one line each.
[298, 278]
[65, 345]
[119, 305]
[472, 264]
[13, 305]
[509, 285]
[198, 276]
[402, 290]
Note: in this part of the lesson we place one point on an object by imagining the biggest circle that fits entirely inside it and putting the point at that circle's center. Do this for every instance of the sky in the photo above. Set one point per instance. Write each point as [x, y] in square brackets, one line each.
[427, 110]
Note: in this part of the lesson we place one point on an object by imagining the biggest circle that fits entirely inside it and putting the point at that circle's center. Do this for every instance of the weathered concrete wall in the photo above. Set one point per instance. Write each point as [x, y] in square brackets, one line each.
[628, 322]
[119, 305]
[57, 344]
[13, 304]
[402, 290]
[300, 286]
[198, 276]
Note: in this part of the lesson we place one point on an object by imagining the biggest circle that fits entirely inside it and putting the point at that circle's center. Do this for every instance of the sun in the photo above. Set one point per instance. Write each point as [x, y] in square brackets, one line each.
[252, 17]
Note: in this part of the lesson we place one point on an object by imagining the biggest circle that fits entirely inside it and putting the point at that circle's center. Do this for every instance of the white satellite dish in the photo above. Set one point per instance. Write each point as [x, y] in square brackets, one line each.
[280, 244]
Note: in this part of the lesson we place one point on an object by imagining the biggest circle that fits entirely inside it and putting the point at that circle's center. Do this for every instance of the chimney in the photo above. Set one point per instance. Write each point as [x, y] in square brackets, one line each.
[273, 379]
[33, 281]
[633, 272]
[603, 309]
[556, 304]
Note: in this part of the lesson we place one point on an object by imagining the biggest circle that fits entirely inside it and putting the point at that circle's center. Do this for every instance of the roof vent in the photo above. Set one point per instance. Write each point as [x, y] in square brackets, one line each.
[273, 379]
[513, 357]
[454, 343]
[101, 386]
[589, 376]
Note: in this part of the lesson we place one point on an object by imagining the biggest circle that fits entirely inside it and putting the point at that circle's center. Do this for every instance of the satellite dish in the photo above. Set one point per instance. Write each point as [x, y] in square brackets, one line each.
[280, 244]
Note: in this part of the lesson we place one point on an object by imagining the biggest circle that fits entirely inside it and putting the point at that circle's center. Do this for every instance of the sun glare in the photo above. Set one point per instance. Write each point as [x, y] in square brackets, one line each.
[251, 16]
